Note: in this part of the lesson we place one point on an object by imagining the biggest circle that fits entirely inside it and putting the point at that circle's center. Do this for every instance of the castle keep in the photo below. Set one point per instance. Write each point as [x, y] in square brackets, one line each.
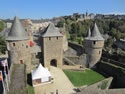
[94, 43]
[52, 46]
[18, 45]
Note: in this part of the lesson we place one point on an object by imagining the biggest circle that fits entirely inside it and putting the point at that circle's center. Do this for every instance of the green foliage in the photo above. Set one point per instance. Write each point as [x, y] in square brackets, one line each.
[1, 26]
[2, 44]
[109, 43]
[115, 33]
[30, 90]
[103, 85]
[60, 23]
[68, 21]
[83, 78]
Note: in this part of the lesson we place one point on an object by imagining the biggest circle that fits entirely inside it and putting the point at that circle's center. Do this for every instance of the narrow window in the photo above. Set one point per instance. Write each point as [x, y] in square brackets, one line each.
[13, 44]
[99, 52]
[94, 42]
[49, 38]
[21, 61]
[57, 38]
[26, 46]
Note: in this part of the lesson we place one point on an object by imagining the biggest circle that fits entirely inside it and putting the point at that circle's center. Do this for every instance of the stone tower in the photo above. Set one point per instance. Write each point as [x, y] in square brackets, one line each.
[18, 45]
[52, 46]
[94, 43]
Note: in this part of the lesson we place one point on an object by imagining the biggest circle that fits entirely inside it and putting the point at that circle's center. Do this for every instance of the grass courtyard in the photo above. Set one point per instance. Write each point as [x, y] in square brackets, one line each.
[79, 78]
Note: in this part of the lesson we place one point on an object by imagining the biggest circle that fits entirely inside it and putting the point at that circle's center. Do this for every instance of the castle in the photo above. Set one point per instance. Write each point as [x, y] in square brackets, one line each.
[18, 45]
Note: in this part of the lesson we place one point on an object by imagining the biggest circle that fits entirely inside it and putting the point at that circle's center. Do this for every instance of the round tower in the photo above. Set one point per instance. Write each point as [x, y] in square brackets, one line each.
[94, 43]
[18, 45]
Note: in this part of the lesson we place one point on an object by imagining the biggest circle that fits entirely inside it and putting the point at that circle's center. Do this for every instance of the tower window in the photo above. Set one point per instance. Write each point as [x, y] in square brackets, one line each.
[49, 38]
[26, 46]
[21, 61]
[14, 44]
[99, 52]
[22, 44]
[57, 38]
[94, 42]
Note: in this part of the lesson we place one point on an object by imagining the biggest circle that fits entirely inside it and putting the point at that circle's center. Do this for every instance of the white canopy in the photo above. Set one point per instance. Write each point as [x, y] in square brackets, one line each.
[40, 72]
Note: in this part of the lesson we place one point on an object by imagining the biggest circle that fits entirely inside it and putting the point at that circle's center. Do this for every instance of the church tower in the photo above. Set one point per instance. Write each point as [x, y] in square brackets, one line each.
[94, 43]
[52, 46]
[87, 13]
[18, 45]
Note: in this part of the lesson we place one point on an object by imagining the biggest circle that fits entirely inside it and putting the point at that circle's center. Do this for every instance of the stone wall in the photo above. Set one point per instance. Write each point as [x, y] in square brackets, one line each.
[20, 51]
[79, 48]
[75, 54]
[116, 72]
[78, 60]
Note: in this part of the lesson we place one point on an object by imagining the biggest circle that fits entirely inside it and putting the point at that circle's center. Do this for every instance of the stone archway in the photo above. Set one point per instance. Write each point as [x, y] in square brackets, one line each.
[53, 62]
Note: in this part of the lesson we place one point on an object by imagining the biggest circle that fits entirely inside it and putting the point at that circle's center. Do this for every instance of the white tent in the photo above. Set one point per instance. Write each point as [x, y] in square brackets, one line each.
[40, 75]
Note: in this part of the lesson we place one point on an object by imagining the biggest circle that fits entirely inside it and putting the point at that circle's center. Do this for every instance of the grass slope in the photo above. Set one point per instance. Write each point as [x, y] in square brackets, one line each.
[30, 90]
[83, 78]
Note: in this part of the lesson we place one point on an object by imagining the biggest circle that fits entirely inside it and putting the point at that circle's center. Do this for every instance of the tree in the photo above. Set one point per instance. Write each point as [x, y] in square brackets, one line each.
[73, 28]
[1, 26]
[2, 44]
[68, 21]
[60, 23]
[73, 37]
[115, 33]
[109, 43]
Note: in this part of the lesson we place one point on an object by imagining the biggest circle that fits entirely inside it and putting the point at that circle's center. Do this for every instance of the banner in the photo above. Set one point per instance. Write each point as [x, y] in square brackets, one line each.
[4, 62]
[0, 76]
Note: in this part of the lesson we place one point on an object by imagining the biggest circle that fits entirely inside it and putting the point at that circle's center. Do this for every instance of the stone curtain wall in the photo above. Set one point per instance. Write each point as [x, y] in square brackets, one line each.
[79, 48]
[78, 60]
[75, 54]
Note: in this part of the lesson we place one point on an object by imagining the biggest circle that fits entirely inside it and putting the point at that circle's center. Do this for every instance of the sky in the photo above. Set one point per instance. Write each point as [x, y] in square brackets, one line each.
[37, 9]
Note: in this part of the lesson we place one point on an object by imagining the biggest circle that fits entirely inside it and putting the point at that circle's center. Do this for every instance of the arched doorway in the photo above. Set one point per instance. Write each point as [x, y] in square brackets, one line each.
[53, 62]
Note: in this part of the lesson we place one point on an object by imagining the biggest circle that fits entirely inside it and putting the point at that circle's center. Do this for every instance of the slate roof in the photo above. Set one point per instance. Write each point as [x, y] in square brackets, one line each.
[52, 31]
[95, 34]
[17, 31]
[89, 33]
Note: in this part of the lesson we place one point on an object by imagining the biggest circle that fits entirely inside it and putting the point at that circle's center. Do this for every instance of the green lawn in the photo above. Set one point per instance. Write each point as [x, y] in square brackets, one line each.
[30, 90]
[83, 78]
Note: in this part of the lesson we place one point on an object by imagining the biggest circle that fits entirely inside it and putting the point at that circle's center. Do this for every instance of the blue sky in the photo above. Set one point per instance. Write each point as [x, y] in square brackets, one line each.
[53, 8]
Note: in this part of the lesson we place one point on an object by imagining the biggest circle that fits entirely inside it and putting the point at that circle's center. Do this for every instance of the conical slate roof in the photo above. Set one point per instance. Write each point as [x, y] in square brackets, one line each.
[89, 33]
[95, 34]
[17, 31]
[52, 31]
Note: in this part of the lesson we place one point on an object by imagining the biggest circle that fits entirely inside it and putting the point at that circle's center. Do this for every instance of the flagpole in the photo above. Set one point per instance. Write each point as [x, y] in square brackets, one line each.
[3, 82]
[6, 76]
[8, 72]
